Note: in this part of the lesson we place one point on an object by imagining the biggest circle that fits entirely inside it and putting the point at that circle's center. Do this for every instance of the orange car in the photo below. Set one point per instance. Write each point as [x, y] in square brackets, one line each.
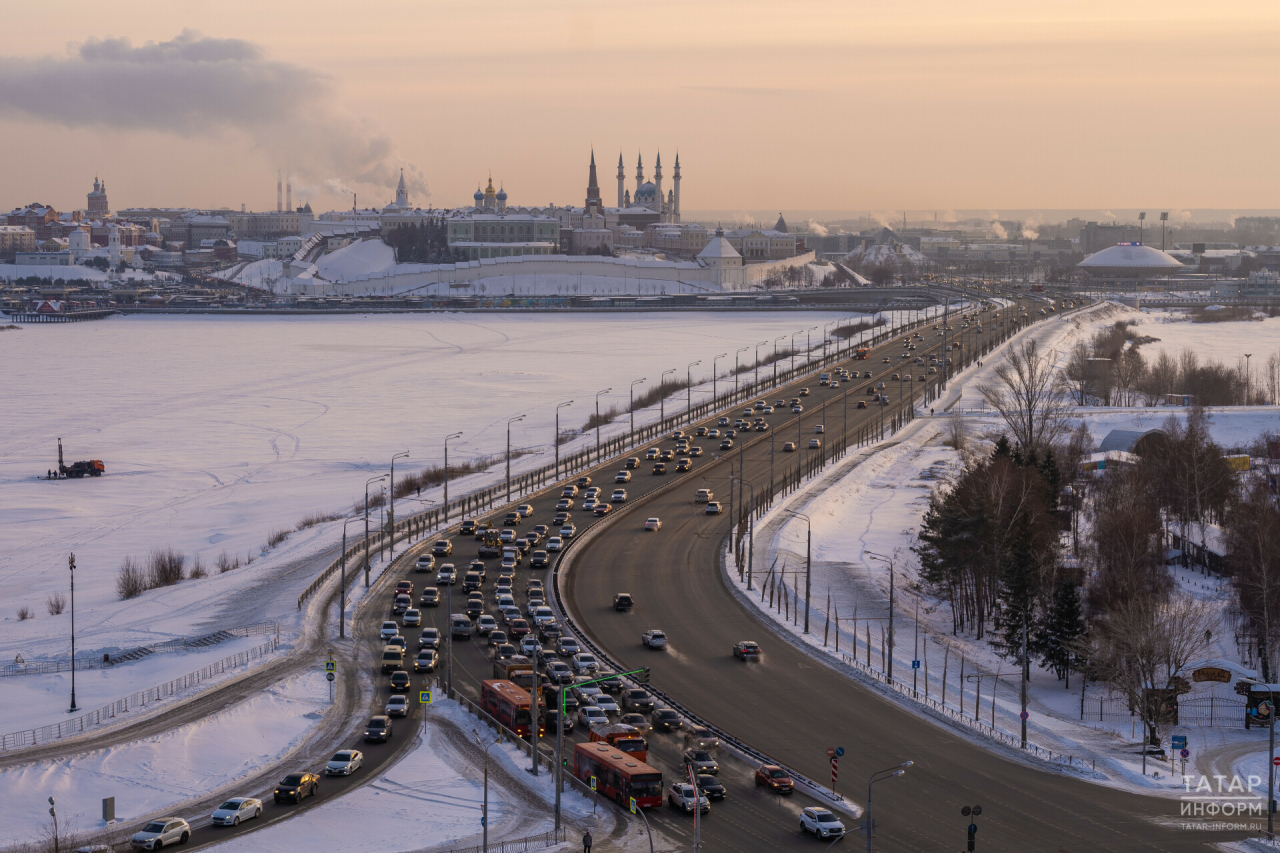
[775, 777]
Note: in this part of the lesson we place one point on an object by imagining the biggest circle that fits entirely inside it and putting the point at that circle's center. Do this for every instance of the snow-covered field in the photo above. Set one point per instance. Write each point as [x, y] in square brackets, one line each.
[217, 431]
[873, 502]
[159, 772]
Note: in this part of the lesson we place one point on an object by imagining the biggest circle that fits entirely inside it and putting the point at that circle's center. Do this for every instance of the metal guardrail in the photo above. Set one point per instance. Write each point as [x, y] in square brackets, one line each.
[512, 845]
[49, 667]
[76, 725]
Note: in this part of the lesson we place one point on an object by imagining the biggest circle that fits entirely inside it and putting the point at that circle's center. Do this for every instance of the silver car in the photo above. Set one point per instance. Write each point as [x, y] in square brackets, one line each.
[162, 832]
[235, 810]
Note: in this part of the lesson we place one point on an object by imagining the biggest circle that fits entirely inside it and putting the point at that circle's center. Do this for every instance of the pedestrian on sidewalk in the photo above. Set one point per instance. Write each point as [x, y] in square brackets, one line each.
[586, 842]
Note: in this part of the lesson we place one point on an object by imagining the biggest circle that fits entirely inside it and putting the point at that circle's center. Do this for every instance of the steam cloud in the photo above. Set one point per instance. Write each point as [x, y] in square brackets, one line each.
[884, 220]
[818, 228]
[1031, 228]
[193, 85]
[997, 230]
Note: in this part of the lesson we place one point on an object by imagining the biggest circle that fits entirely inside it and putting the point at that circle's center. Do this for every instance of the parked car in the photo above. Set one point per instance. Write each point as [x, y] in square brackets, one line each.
[295, 786]
[235, 810]
[344, 762]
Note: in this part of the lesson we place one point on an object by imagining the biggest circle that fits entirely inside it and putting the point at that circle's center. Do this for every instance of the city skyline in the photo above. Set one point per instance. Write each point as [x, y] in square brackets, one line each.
[823, 106]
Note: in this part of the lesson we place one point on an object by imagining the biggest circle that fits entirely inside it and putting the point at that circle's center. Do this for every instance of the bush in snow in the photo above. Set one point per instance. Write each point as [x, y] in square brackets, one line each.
[275, 538]
[164, 567]
[131, 580]
[197, 569]
[56, 603]
[24, 613]
[226, 563]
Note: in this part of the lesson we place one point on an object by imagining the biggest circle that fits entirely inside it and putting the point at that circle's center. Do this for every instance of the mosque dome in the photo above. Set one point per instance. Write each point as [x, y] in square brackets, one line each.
[646, 191]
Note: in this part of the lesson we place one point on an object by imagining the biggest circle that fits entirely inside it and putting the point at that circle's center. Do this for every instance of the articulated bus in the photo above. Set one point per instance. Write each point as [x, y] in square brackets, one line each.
[618, 775]
[510, 705]
[863, 352]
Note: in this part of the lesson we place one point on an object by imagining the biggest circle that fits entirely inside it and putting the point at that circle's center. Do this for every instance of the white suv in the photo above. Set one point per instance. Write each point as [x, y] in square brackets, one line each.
[821, 823]
[683, 796]
[158, 833]
[389, 630]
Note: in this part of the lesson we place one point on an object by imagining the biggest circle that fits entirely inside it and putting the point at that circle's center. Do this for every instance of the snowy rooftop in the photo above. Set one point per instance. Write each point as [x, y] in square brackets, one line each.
[1130, 259]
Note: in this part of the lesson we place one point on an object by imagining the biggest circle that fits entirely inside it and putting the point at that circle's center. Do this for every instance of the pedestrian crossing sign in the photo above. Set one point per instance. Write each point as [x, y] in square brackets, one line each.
[593, 783]
[633, 805]
[424, 696]
[330, 666]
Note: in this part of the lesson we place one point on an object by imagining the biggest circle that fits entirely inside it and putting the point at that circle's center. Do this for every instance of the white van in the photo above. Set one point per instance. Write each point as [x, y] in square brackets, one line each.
[703, 496]
[460, 626]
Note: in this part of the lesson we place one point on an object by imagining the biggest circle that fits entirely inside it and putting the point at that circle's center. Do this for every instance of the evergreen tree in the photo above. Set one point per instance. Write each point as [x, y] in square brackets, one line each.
[1017, 595]
[1060, 633]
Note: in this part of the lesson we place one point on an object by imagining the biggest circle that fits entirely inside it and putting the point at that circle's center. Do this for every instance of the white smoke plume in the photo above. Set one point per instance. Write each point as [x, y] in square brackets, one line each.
[1106, 214]
[882, 219]
[1031, 228]
[997, 230]
[818, 228]
[195, 85]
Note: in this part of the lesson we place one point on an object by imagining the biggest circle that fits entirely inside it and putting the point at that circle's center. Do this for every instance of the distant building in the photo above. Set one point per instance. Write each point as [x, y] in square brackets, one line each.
[97, 206]
[43, 259]
[14, 239]
[1095, 237]
[40, 218]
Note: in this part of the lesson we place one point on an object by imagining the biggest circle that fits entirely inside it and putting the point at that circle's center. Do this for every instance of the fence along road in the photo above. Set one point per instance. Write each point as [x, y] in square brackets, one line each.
[793, 707]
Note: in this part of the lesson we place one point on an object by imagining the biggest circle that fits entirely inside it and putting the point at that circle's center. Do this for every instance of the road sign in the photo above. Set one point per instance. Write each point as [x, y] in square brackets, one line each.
[1185, 753]
[632, 805]
[915, 664]
[839, 751]
[1178, 741]
[1276, 761]
[831, 752]
[835, 770]
[424, 697]
[1024, 715]
[593, 783]
[330, 666]
[329, 676]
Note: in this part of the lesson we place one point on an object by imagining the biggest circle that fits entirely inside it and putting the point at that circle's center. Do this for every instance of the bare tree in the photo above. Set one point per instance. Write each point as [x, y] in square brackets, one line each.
[1078, 368]
[1143, 648]
[1253, 543]
[1031, 398]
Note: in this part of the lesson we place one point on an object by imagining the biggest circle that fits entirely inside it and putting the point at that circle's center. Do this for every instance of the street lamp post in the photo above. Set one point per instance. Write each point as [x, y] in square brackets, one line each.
[880, 776]
[756, 381]
[633, 406]
[736, 370]
[376, 479]
[71, 565]
[793, 349]
[1247, 356]
[484, 814]
[751, 524]
[808, 346]
[598, 393]
[775, 357]
[510, 421]
[688, 387]
[808, 562]
[447, 439]
[713, 377]
[887, 560]
[560, 406]
[342, 594]
[391, 507]
[662, 400]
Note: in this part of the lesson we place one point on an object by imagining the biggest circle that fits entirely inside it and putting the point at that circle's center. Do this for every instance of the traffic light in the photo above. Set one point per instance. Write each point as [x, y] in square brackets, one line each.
[644, 676]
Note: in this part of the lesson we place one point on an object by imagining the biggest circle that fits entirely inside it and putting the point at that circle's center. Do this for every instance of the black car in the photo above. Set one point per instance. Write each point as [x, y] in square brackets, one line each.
[511, 519]
[295, 786]
[539, 560]
[561, 519]
[505, 651]
[468, 528]
[552, 718]
[478, 567]
[399, 681]
[378, 729]
[622, 601]
[583, 482]
[711, 786]
[475, 607]
[611, 683]
[666, 720]
[550, 632]
[637, 700]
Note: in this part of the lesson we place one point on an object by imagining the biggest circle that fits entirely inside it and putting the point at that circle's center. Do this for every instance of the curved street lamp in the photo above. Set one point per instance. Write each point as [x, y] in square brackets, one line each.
[736, 371]
[510, 421]
[889, 562]
[367, 483]
[447, 439]
[556, 443]
[633, 403]
[598, 393]
[662, 400]
[391, 508]
[688, 388]
[713, 377]
[808, 562]
[880, 776]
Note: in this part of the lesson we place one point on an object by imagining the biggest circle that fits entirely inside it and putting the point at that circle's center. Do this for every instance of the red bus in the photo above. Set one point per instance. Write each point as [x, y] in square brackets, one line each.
[510, 705]
[618, 775]
[862, 353]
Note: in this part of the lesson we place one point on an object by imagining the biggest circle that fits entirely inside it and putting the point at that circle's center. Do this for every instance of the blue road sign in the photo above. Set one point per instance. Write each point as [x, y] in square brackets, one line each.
[1179, 741]
[424, 697]
[839, 751]
[915, 664]
[330, 666]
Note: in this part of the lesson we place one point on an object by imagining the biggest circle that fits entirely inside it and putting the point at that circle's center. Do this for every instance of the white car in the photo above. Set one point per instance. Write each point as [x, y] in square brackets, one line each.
[235, 810]
[714, 508]
[819, 429]
[654, 639]
[683, 796]
[543, 616]
[398, 706]
[584, 663]
[589, 504]
[165, 830]
[389, 630]
[619, 496]
[555, 543]
[505, 601]
[412, 618]
[653, 524]
[485, 624]
[529, 645]
[623, 477]
[821, 823]
[590, 715]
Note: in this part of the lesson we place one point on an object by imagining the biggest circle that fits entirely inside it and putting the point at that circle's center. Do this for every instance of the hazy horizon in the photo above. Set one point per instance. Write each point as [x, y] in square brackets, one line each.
[807, 106]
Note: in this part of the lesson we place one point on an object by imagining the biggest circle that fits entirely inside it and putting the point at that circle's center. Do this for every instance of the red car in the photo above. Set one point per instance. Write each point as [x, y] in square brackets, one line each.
[603, 509]
[405, 587]
[775, 777]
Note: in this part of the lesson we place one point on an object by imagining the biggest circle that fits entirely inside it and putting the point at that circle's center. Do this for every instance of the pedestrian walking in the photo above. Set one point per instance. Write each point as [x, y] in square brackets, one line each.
[586, 842]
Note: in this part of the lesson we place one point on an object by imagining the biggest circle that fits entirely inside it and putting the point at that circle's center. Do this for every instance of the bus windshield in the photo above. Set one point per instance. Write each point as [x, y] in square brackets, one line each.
[646, 785]
[522, 717]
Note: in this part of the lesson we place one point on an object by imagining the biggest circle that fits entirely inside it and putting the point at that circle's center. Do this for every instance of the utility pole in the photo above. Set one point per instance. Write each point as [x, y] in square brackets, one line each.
[447, 439]
[1025, 674]
[376, 479]
[889, 563]
[688, 387]
[560, 406]
[714, 398]
[71, 565]
[736, 370]
[662, 398]
[391, 508]
[633, 407]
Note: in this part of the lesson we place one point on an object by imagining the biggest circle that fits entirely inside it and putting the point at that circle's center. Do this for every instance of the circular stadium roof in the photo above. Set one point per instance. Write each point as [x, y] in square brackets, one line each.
[1130, 260]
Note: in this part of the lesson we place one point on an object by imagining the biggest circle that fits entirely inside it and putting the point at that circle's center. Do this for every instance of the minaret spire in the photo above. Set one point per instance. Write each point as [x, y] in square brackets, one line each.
[593, 188]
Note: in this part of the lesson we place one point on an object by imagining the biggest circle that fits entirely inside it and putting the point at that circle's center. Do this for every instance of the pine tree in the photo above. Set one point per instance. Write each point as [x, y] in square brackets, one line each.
[1016, 597]
[1059, 635]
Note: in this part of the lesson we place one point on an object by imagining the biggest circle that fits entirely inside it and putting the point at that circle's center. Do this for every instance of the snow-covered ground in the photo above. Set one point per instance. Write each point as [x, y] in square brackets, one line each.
[159, 772]
[873, 502]
[217, 431]
[9, 272]
[432, 798]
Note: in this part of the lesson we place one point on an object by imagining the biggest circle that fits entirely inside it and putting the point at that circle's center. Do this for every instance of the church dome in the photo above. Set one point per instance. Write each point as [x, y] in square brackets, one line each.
[502, 194]
[479, 196]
